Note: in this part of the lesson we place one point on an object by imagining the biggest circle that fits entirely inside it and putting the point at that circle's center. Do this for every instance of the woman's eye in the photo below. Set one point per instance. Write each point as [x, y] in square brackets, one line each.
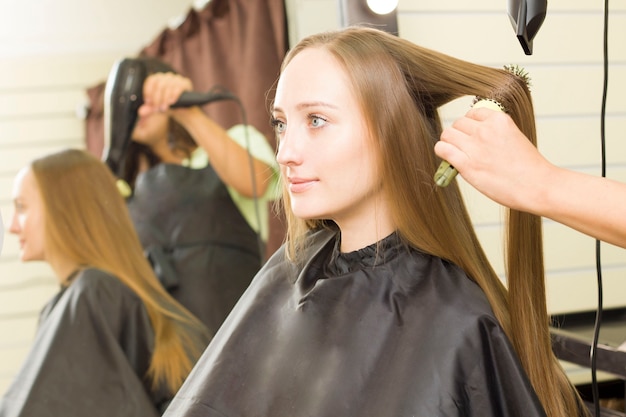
[278, 125]
[317, 121]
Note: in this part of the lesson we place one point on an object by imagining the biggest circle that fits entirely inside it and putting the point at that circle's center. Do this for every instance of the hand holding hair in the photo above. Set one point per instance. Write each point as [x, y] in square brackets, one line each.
[495, 157]
[446, 172]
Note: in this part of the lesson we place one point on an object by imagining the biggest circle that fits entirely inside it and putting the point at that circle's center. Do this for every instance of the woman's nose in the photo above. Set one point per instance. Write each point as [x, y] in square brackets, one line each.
[289, 152]
[15, 225]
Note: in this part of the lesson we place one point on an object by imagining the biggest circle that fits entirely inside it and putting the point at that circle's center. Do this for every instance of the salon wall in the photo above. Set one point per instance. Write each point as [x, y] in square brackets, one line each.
[48, 56]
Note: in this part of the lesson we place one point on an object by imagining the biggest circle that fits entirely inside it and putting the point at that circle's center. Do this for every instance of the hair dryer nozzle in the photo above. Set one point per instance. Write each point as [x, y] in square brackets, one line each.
[527, 16]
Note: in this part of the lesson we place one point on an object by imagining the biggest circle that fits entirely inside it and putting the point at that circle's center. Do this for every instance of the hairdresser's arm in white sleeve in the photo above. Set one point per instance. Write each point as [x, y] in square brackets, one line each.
[493, 155]
[229, 159]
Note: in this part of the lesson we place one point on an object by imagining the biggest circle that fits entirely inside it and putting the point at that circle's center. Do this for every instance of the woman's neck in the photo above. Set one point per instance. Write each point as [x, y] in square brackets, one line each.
[63, 269]
[359, 235]
[367, 224]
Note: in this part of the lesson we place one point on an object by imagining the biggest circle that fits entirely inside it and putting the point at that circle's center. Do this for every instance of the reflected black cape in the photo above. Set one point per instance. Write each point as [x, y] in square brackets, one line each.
[404, 334]
[92, 348]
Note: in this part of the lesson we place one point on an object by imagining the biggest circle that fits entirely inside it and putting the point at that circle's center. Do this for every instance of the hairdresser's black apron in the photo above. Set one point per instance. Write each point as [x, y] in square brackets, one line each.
[201, 247]
[387, 333]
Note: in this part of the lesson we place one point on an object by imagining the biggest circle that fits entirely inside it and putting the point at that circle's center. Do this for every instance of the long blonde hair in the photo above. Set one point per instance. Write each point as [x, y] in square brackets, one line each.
[401, 86]
[87, 222]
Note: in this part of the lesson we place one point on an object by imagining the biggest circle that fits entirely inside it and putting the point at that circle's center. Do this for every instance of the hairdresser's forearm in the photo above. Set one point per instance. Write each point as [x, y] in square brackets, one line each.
[230, 161]
[592, 205]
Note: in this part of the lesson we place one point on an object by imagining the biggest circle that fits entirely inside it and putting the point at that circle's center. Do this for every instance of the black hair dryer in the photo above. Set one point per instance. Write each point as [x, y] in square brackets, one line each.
[123, 96]
[527, 16]
[122, 99]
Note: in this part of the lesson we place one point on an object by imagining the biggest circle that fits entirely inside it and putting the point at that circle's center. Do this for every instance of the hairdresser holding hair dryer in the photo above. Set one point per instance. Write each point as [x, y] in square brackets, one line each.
[493, 155]
[197, 192]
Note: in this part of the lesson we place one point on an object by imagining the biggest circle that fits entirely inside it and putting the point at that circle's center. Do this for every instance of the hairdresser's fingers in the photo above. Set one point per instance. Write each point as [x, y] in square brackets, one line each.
[150, 85]
[474, 162]
[147, 109]
[161, 90]
[481, 113]
[482, 131]
[455, 135]
[173, 86]
[150, 96]
[460, 131]
[448, 152]
[477, 122]
[468, 146]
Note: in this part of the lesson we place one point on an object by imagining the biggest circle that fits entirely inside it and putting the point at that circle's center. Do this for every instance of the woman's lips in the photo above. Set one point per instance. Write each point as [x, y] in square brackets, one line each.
[299, 185]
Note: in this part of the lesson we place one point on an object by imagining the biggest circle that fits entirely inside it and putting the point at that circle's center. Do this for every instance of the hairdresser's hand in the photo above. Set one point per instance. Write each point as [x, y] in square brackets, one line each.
[495, 157]
[161, 90]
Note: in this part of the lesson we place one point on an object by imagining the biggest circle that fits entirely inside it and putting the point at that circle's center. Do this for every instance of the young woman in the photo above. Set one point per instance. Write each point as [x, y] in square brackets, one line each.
[382, 302]
[198, 197]
[112, 342]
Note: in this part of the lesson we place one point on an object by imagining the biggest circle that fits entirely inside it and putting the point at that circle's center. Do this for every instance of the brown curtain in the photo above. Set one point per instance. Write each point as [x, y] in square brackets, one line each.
[235, 44]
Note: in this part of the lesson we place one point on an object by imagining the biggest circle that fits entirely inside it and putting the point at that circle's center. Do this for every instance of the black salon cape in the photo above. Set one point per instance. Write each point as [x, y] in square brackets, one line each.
[202, 249]
[92, 348]
[411, 336]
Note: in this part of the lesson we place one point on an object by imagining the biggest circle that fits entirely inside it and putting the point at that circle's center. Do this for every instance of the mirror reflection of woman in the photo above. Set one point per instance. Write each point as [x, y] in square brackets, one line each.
[112, 341]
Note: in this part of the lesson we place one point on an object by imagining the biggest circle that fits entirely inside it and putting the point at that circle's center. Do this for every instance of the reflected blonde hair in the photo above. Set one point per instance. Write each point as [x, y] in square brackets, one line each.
[400, 87]
[87, 222]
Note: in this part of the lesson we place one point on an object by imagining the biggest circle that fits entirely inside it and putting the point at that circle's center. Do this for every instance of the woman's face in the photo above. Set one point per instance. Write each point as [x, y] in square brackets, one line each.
[325, 151]
[28, 218]
[150, 130]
